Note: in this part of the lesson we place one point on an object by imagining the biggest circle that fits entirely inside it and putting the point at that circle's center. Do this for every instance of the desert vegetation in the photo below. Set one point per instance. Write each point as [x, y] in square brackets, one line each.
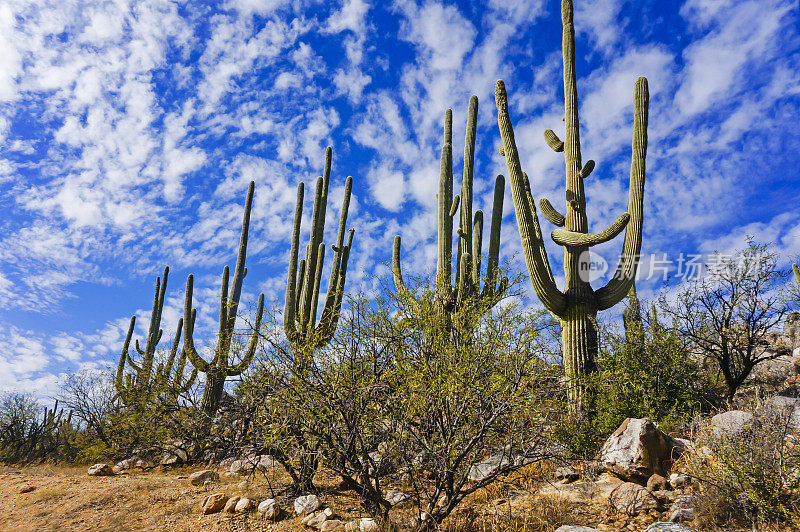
[447, 403]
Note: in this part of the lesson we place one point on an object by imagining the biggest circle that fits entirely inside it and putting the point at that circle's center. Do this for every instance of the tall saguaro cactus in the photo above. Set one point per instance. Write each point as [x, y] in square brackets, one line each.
[146, 383]
[303, 287]
[577, 305]
[454, 301]
[220, 367]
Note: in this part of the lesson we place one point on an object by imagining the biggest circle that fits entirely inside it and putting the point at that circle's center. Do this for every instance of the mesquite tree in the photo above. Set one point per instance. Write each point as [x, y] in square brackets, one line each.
[145, 384]
[463, 303]
[220, 366]
[577, 305]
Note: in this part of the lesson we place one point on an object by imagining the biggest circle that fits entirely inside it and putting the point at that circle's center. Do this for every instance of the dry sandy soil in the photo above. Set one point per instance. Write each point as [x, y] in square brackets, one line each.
[66, 498]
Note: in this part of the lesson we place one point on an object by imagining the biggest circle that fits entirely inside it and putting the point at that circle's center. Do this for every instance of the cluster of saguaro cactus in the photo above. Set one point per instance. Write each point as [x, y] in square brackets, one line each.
[146, 382]
[465, 301]
[220, 366]
[303, 286]
[577, 305]
[25, 440]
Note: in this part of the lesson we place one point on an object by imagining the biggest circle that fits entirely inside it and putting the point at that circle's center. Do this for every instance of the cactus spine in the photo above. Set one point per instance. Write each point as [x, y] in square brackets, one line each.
[145, 383]
[220, 368]
[303, 287]
[576, 306]
[466, 295]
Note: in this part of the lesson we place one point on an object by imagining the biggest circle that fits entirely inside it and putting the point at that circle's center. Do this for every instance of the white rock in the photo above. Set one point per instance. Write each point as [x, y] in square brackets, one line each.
[269, 509]
[664, 526]
[637, 449]
[368, 524]
[244, 504]
[732, 423]
[305, 504]
[394, 497]
[332, 525]
[317, 520]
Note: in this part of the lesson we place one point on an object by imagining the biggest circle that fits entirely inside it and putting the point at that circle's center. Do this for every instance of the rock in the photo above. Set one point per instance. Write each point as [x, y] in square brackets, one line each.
[637, 449]
[566, 474]
[230, 506]
[100, 470]
[657, 483]
[269, 509]
[368, 524]
[666, 526]
[632, 499]
[683, 514]
[249, 464]
[214, 503]
[243, 505]
[732, 423]
[679, 481]
[317, 520]
[305, 504]
[243, 485]
[572, 528]
[352, 526]
[394, 497]
[175, 455]
[199, 478]
[685, 502]
[27, 488]
[332, 525]
[481, 470]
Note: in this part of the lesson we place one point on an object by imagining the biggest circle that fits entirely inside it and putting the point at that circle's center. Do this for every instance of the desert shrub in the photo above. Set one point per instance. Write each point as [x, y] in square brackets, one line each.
[750, 476]
[648, 373]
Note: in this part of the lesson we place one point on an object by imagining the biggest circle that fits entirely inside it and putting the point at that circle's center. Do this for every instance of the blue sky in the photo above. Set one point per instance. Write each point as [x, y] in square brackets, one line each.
[130, 130]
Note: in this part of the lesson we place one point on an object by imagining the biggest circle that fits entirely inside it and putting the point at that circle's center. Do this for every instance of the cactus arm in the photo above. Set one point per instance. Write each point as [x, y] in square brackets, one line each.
[240, 271]
[445, 222]
[311, 260]
[330, 317]
[477, 244]
[553, 141]
[527, 221]
[251, 349]
[493, 260]
[397, 273]
[174, 350]
[224, 304]
[317, 280]
[796, 273]
[189, 315]
[468, 170]
[292, 284]
[124, 355]
[564, 237]
[618, 286]
[139, 349]
[587, 169]
[550, 213]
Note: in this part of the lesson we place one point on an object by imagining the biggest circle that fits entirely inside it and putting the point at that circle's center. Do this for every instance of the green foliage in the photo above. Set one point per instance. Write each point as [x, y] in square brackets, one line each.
[648, 373]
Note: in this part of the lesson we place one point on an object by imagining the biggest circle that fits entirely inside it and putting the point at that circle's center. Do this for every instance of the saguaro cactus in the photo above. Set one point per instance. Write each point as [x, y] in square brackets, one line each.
[796, 273]
[303, 287]
[220, 367]
[577, 305]
[466, 295]
[632, 319]
[146, 383]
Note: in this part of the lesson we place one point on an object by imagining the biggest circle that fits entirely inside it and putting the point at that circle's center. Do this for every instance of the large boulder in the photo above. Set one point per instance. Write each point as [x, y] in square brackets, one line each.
[637, 450]
[732, 423]
[632, 499]
[100, 470]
